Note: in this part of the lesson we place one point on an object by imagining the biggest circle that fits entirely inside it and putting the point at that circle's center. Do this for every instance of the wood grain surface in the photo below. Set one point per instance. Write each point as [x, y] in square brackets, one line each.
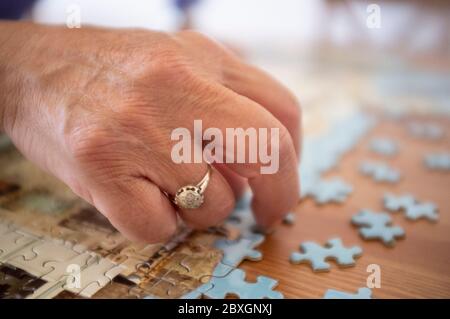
[418, 266]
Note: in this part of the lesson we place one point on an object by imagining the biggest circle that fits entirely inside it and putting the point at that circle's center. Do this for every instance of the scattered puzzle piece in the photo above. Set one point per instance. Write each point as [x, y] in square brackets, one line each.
[235, 251]
[380, 172]
[392, 202]
[326, 191]
[317, 255]
[322, 153]
[377, 226]
[363, 293]
[413, 209]
[438, 161]
[384, 146]
[426, 130]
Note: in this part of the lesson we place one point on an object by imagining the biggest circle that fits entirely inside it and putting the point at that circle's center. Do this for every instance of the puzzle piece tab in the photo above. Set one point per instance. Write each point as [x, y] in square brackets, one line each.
[380, 172]
[377, 226]
[363, 293]
[412, 208]
[317, 255]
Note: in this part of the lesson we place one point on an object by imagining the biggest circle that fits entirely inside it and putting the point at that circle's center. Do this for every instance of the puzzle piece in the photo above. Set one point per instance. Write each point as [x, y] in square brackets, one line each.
[235, 251]
[380, 172]
[438, 161]
[377, 226]
[326, 191]
[198, 293]
[429, 131]
[16, 283]
[320, 154]
[392, 202]
[96, 276]
[413, 209]
[243, 221]
[231, 281]
[363, 293]
[245, 201]
[383, 146]
[12, 242]
[317, 255]
[36, 257]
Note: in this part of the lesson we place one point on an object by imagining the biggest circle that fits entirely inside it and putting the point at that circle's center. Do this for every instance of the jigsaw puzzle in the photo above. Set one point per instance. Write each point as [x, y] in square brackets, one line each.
[377, 226]
[412, 208]
[380, 172]
[363, 293]
[316, 255]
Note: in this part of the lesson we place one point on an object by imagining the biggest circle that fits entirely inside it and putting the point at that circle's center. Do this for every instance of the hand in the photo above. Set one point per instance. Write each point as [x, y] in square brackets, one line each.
[96, 108]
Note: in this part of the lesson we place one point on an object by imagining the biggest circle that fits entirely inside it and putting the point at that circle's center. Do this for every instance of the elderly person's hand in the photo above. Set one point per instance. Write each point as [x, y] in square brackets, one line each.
[96, 108]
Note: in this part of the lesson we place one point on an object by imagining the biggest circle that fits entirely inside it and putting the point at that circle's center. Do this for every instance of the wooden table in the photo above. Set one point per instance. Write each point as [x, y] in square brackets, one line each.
[418, 266]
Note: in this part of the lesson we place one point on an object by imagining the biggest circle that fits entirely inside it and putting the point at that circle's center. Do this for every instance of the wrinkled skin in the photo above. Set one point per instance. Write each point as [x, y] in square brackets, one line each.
[96, 107]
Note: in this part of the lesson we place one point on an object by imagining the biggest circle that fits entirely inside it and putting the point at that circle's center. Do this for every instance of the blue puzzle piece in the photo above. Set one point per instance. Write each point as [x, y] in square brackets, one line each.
[426, 130]
[245, 201]
[235, 251]
[380, 172]
[363, 293]
[244, 221]
[320, 154]
[383, 146]
[234, 284]
[412, 208]
[392, 202]
[326, 191]
[317, 255]
[438, 161]
[377, 226]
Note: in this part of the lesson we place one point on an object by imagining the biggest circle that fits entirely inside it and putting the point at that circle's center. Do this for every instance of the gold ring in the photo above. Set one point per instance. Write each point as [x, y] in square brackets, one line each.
[191, 196]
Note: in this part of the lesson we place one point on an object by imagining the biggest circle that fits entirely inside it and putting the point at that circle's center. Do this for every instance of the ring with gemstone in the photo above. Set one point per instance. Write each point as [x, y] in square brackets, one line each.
[191, 196]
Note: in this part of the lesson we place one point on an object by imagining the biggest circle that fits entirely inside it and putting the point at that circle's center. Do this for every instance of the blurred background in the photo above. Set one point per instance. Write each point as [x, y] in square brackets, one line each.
[336, 56]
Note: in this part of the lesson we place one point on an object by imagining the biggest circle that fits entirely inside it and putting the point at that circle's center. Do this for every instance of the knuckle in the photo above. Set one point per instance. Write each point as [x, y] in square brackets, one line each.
[167, 63]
